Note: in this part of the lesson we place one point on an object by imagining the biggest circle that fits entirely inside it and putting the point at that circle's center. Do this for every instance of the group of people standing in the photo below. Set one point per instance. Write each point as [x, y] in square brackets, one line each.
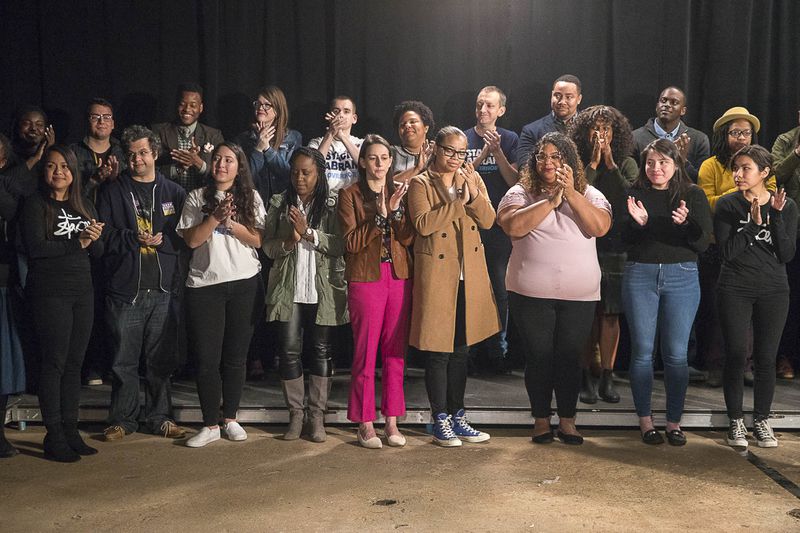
[432, 244]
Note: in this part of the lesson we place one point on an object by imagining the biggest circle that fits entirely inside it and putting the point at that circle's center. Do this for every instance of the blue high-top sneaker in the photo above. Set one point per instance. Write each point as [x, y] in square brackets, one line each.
[464, 431]
[443, 431]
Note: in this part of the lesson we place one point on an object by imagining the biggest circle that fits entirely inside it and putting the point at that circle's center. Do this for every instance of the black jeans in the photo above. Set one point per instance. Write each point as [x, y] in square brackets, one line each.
[767, 314]
[304, 318]
[446, 372]
[63, 325]
[220, 322]
[555, 334]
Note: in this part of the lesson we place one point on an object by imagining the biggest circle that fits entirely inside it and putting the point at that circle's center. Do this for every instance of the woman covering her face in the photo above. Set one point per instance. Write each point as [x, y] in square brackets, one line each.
[223, 223]
[60, 231]
[756, 231]
[306, 290]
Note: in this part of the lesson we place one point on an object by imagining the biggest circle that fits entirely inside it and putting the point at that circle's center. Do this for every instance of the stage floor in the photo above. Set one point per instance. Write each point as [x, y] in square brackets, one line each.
[497, 400]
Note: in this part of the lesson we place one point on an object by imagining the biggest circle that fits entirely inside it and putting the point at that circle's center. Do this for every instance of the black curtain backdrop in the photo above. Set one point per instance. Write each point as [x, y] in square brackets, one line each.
[722, 52]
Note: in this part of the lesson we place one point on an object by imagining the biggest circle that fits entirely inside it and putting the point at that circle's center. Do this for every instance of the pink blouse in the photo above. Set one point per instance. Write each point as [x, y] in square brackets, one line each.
[556, 260]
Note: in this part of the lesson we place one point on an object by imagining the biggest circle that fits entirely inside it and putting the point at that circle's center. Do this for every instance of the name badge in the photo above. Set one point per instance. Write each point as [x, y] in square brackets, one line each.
[168, 209]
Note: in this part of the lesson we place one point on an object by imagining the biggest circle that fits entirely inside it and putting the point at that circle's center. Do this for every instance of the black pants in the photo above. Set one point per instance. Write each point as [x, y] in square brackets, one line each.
[220, 321]
[62, 325]
[554, 334]
[767, 313]
[446, 372]
[304, 317]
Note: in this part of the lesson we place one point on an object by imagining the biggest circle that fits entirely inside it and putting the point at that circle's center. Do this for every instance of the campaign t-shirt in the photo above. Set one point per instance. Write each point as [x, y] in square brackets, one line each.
[340, 168]
[496, 186]
[150, 274]
[222, 257]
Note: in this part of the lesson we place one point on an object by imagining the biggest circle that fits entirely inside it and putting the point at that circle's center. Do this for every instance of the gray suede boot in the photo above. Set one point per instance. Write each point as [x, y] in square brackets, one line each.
[318, 389]
[293, 393]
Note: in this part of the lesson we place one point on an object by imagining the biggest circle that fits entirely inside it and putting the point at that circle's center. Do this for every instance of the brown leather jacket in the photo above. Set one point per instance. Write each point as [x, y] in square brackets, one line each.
[362, 238]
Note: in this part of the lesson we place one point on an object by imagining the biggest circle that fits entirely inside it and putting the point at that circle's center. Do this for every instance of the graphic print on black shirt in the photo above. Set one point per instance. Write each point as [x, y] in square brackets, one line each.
[68, 225]
[143, 205]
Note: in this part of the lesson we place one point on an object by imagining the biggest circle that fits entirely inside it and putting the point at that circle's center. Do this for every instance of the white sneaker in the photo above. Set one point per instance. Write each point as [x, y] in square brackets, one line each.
[765, 438]
[234, 431]
[737, 433]
[203, 437]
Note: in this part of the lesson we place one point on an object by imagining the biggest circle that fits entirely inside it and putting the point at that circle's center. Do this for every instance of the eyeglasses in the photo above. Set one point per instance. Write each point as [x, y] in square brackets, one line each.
[266, 106]
[141, 153]
[741, 133]
[554, 157]
[452, 152]
[94, 117]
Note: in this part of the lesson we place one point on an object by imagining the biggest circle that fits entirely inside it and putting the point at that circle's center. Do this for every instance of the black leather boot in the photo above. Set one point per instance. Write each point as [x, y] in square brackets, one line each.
[75, 441]
[607, 391]
[588, 387]
[57, 449]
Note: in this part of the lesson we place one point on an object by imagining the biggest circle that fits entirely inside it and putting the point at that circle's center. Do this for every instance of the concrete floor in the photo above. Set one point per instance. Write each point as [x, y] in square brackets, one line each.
[611, 483]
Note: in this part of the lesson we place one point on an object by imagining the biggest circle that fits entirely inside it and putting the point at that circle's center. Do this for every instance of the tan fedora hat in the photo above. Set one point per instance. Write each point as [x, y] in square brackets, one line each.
[735, 113]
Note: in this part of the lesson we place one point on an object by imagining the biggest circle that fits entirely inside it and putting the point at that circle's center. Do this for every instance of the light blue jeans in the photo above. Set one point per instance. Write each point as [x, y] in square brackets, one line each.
[663, 298]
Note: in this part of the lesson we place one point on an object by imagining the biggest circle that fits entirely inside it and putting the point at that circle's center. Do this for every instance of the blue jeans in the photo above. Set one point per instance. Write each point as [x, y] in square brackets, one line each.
[661, 297]
[141, 329]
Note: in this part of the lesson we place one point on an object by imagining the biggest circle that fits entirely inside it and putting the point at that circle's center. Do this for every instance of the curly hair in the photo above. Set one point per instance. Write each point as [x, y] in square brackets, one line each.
[417, 107]
[529, 177]
[136, 132]
[242, 190]
[679, 183]
[581, 131]
[321, 191]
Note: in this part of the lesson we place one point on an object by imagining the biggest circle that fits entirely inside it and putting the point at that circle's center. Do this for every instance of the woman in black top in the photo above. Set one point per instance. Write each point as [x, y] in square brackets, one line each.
[668, 224]
[756, 231]
[59, 231]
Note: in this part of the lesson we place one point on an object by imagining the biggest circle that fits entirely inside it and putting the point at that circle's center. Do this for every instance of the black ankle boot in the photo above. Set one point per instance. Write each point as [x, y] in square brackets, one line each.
[607, 391]
[75, 441]
[57, 449]
[588, 387]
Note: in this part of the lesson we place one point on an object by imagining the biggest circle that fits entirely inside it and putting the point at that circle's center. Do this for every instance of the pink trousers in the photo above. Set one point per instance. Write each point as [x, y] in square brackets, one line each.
[379, 314]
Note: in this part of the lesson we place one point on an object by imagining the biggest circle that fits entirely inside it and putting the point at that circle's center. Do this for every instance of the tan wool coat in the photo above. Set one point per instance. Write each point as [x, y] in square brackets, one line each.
[447, 233]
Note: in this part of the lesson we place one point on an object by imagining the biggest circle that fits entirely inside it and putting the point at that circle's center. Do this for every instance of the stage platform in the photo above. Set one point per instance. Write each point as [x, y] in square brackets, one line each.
[495, 400]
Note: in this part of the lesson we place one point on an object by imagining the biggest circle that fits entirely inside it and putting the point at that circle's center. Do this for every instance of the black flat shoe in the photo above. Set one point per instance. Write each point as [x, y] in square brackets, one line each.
[652, 436]
[675, 437]
[566, 438]
[544, 438]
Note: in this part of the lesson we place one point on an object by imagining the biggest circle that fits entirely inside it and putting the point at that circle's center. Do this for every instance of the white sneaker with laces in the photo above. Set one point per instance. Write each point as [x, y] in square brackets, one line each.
[737, 433]
[234, 431]
[765, 438]
[203, 437]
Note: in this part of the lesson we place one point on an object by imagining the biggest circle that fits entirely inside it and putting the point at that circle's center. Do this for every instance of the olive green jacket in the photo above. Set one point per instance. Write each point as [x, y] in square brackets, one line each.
[331, 287]
[787, 163]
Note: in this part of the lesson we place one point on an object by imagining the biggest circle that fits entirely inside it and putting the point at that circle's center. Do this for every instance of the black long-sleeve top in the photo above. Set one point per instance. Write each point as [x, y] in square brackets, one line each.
[16, 183]
[660, 240]
[753, 256]
[58, 266]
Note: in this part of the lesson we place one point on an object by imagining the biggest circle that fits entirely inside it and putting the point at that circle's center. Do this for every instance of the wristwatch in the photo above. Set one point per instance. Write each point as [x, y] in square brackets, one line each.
[309, 234]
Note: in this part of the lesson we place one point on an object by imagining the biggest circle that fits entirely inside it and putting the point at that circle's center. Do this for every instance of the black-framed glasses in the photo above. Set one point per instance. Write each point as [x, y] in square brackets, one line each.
[555, 157]
[141, 153]
[95, 117]
[741, 133]
[452, 152]
[266, 106]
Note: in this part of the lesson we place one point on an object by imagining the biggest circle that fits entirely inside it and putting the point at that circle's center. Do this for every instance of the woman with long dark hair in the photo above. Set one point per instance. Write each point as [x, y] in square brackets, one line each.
[667, 225]
[377, 232]
[553, 217]
[60, 231]
[223, 223]
[605, 142]
[306, 292]
[756, 232]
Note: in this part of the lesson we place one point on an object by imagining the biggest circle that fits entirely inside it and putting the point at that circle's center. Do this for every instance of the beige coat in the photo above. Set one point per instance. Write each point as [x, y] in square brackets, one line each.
[447, 231]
